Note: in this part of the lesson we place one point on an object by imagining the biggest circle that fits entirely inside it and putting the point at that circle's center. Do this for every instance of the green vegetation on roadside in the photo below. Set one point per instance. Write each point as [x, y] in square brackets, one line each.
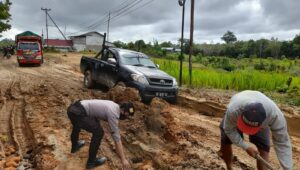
[245, 76]
[271, 66]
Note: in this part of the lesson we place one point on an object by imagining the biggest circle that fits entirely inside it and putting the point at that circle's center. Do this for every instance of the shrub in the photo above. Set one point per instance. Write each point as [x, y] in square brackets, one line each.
[259, 66]
[51, 50]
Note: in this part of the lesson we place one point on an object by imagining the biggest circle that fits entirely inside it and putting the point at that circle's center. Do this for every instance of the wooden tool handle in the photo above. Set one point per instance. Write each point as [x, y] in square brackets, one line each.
[258, 157]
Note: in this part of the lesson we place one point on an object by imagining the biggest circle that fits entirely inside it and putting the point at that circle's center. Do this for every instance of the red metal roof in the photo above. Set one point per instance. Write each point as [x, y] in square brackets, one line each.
[59, 43]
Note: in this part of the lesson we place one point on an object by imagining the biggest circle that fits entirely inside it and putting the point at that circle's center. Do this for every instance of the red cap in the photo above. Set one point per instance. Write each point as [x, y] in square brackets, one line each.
[242, 126]
[251, 119]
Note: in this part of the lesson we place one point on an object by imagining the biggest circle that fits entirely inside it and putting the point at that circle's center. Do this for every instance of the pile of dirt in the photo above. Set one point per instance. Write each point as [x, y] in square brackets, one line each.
[33, 104]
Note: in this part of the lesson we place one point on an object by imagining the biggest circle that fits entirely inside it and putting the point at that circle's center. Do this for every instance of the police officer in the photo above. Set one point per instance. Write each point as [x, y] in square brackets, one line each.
[86, 114]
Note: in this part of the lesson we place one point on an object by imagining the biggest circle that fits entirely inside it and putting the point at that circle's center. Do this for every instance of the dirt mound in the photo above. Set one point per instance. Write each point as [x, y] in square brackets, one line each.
[33, 103]
[120, 93]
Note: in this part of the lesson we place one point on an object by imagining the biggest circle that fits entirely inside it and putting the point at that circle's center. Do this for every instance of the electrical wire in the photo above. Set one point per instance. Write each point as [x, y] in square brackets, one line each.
[124, 11]
[97, 23]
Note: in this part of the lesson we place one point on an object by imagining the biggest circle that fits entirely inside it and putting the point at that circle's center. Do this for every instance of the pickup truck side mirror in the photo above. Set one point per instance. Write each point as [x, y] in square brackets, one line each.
[112, 61]
[157, 65]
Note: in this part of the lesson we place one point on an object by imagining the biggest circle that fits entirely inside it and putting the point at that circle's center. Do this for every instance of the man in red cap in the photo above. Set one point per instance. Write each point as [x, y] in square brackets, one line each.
[254, 114]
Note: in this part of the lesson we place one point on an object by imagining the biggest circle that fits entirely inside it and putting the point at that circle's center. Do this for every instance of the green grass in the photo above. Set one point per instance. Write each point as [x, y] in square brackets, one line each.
[236, 80]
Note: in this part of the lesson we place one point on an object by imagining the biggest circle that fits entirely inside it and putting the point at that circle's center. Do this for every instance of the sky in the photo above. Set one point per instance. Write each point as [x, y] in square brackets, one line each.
[158, 20]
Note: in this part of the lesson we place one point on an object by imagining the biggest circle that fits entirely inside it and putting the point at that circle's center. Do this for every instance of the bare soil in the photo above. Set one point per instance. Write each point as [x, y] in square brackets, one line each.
[35, 130]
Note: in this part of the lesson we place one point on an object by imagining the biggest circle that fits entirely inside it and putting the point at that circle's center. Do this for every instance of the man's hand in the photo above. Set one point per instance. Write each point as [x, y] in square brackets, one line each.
[252, 152]
[125, 164]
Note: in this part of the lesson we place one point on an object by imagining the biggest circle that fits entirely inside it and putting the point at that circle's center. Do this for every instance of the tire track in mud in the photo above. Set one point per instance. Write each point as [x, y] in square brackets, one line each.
[21, 131]
[19, 139]
[40, 98]
[6, 138]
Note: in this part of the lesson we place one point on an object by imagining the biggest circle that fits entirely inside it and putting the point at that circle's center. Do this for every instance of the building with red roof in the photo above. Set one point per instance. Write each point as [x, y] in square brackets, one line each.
[62, 45]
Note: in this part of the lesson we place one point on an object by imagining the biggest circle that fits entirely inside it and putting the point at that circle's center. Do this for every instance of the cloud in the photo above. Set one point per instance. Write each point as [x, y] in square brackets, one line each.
[285, 14]
[160, 19]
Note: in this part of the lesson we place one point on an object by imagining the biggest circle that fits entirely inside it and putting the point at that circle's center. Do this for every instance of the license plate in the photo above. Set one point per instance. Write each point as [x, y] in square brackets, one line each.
[159, 94]
[29, 58]
[28, 52]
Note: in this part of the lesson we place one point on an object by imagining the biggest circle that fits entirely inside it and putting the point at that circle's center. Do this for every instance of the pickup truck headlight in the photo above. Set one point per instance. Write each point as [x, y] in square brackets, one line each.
[20, 57]
[140, 78]
[174, 83]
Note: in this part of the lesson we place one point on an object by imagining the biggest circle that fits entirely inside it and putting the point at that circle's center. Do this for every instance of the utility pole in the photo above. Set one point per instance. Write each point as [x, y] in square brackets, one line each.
[57, 27]
[108, 26]
[46, 12]
[42, 33]
[191, 39]
[181, 3]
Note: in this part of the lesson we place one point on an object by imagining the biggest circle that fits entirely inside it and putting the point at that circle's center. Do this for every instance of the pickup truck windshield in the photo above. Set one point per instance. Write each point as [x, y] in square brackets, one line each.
[136, 60]
[28, 46]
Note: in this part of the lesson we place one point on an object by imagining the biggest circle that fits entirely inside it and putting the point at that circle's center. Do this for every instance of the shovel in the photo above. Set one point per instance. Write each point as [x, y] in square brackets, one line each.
[258, 157]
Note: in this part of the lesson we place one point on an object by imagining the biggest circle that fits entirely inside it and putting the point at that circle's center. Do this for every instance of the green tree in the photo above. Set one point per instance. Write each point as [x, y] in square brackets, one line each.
[296, 45]
[166, 44]
[286, 49]
[229, 37]
[186, 45]
[6, 42]
[120, 44]
[261, 46]
[130, 45]
[139, 44]
[274, 48]
[4, 16]
[230, 50]
[251, 46]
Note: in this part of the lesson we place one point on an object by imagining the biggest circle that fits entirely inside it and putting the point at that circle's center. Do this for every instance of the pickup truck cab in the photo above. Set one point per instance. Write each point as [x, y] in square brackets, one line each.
[135, 69]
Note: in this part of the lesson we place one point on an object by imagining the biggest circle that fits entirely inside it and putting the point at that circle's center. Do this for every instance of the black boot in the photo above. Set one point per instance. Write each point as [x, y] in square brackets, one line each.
[96, 162]
[79, 144]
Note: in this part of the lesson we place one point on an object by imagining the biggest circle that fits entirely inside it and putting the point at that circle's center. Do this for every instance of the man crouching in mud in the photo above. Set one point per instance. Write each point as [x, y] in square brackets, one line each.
[256, 115]
[85, 114]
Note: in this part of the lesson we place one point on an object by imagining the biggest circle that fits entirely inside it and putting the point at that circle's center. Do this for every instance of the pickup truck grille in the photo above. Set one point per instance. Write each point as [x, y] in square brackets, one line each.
[160, 82]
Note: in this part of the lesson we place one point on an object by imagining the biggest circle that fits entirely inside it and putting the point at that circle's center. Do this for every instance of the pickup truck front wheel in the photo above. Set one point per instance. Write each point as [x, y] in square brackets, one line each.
[87, 80]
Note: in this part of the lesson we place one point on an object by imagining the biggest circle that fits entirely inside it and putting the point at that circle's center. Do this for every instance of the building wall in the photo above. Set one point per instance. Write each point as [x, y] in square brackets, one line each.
[79, 40]
[79, 47]
[92, 41]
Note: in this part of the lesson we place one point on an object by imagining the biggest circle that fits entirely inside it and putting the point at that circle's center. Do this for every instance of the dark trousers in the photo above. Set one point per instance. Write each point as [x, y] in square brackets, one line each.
[89, 124]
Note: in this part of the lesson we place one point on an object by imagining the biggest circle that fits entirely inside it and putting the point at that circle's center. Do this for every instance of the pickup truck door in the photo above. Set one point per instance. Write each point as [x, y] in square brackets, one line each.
[99, 74]
[110, 70]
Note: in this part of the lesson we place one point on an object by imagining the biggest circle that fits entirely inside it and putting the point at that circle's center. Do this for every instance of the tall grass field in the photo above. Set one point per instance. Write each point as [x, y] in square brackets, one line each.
[237, 80]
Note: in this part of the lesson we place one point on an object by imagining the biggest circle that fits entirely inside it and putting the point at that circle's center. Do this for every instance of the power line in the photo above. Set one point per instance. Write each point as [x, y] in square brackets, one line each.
[112, 9]
[126, 9]
[57, 27]
[88, 27]
[108, 26]
[101, 21]
[137, 8]
[104, 15]
[136, 2]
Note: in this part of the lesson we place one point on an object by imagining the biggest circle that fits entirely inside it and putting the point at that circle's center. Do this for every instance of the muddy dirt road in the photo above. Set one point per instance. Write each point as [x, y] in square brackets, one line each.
[35, 130]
